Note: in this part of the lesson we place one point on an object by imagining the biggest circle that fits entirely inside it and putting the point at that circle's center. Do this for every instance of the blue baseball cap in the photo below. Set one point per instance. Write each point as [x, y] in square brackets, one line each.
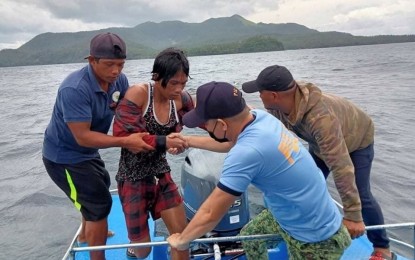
[215, 100]
[108, 46]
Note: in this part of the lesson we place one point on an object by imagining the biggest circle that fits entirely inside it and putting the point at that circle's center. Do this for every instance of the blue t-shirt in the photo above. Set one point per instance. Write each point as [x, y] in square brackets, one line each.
[80, 99]
[267, 155]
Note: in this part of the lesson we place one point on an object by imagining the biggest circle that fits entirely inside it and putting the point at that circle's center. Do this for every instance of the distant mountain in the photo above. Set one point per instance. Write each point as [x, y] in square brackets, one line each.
[214, 36]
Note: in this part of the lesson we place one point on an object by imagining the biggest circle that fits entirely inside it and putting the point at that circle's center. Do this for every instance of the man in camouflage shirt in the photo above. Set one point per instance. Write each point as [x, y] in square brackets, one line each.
[340, 137]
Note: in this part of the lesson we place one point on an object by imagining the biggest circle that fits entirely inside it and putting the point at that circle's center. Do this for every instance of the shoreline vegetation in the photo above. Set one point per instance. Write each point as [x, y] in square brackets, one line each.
[215, 36]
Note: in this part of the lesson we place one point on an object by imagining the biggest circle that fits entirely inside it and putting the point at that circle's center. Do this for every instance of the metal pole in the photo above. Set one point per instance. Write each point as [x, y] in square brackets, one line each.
[390, 226]
[409, 224]
[70, 251]
[162, 243]
[224, 239]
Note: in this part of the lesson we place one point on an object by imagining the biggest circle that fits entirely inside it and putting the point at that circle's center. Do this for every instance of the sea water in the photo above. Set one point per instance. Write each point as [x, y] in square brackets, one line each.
[38, 222]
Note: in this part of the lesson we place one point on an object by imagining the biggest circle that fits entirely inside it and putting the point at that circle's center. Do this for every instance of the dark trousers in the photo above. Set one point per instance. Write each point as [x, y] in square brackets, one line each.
[371, 211]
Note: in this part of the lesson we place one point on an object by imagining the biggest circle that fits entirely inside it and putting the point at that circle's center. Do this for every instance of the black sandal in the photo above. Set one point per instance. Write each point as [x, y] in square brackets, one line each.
[130, 253]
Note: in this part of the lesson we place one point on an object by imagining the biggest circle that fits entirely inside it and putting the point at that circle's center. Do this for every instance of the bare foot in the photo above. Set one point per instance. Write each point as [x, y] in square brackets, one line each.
[82, 239]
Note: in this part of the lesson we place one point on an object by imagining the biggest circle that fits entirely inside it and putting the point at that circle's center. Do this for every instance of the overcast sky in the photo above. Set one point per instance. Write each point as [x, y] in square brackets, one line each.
[21, 20]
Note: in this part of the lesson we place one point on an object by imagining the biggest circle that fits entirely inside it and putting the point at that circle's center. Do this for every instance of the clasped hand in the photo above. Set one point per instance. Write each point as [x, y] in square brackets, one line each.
[176, 143]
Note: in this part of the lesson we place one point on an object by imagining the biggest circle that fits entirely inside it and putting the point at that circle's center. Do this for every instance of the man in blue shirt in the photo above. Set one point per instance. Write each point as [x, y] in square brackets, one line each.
[80, 121]
[268, 156]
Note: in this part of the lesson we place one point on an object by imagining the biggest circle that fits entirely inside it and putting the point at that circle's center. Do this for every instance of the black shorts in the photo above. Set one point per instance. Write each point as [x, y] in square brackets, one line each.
[86, 184]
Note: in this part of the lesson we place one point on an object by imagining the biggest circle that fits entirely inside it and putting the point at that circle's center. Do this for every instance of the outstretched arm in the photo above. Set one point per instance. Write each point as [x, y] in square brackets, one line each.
[335, 154]
[201, 142]
[207, 143]
[206, 218]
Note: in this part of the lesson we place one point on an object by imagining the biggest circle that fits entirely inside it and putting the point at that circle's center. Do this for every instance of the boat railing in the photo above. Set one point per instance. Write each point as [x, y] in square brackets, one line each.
[72, 250]
[270, 237]
[410, 225]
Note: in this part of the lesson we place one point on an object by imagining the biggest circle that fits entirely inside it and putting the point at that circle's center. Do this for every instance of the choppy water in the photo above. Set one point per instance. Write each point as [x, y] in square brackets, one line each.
[38, 222]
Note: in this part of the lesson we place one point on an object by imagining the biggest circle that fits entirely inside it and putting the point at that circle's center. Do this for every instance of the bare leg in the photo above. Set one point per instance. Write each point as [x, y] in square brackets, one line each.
[175, 220]
[142, 252]
[82, 237]
[96, 235]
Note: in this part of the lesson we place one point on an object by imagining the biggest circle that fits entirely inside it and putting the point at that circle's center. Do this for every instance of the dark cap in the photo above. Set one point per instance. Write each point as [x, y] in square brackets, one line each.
[214, 100]
[108, 46]
[273, 78]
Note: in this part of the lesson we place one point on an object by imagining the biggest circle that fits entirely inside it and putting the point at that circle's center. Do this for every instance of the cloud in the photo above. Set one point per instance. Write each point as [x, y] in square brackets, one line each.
[371, 17]
[386, 18]
[24, 19]
[133, 12]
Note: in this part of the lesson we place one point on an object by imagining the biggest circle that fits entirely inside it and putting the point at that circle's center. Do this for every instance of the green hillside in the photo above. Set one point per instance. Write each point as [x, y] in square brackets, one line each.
[214, 36]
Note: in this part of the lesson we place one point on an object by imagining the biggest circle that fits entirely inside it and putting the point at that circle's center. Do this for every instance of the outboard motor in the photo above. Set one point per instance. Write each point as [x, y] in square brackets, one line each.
[200, 174]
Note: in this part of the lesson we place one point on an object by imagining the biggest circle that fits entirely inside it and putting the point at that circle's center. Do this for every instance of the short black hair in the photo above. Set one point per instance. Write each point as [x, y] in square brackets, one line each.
[168, 63]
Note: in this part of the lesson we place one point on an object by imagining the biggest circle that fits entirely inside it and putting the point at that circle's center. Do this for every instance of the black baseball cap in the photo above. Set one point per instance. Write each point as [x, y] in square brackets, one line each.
[108, 46]
[273, 78]
[215, 100]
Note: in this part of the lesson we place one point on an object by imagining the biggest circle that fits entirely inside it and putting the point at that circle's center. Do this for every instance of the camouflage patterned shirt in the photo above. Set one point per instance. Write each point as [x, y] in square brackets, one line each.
[333, 128]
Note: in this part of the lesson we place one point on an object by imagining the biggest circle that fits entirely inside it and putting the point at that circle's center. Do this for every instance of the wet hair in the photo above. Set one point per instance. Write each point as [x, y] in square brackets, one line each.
[168, 63]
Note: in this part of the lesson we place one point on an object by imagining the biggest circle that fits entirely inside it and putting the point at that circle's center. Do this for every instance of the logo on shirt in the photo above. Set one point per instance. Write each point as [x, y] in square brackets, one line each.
[116, 96]
[288, 145]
